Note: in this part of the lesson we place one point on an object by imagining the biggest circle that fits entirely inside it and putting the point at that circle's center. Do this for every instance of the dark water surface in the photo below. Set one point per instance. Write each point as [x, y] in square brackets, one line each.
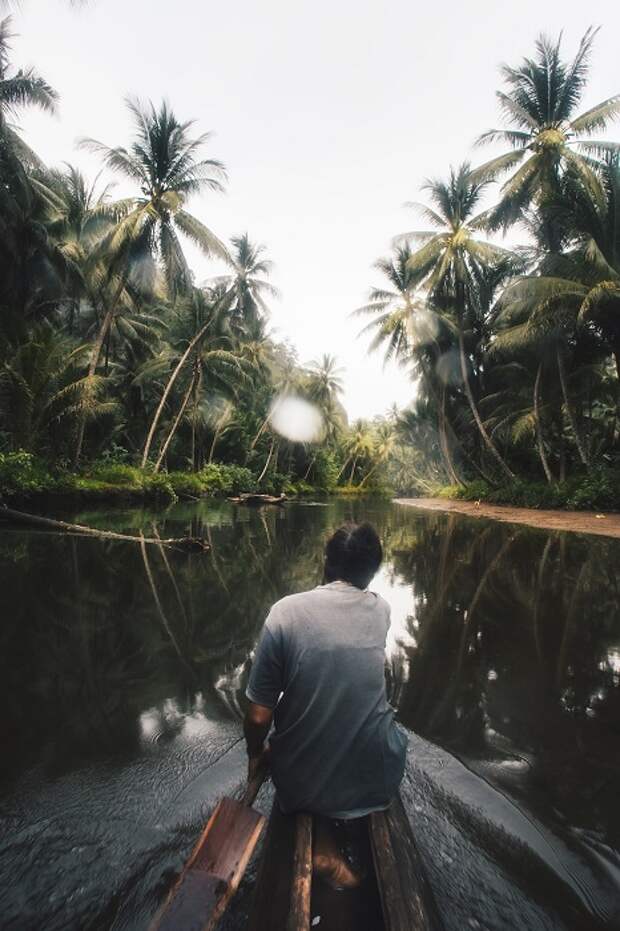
[121, 679]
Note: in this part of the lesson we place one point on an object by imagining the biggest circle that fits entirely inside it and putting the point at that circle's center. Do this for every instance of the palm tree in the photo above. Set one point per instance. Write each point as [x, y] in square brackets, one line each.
[163, 160]
[24, 88]
[325, 380]
[456, 267]
[385, 442]
[359, 444]
[42, 391]
[546, 137]
[411, 333]
[324, 386]
[200, 338]
[30, 264]
[247, 281]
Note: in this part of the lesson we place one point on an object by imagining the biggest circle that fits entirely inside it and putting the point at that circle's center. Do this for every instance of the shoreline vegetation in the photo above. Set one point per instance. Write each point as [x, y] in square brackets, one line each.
[607, 525]
[121, 378]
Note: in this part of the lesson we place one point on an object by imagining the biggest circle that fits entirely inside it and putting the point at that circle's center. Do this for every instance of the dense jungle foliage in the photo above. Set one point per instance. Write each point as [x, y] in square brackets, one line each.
[119, 372]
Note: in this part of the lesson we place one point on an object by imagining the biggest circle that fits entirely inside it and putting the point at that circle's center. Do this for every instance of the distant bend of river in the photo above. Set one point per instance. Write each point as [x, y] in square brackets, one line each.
[122, 674]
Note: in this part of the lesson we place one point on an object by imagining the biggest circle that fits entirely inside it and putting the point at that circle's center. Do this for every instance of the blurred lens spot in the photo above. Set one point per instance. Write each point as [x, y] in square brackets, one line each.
[422, 327]
[448, 368]
[296, 419]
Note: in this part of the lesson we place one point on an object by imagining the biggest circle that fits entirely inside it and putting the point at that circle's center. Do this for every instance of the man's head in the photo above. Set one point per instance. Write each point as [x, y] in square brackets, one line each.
[353, 554]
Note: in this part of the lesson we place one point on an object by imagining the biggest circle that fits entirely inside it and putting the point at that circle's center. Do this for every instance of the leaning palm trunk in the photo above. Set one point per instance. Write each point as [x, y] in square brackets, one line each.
[160, 407]
[474, 408]
[94, 362]
[261, 430]
[570, 411]
[539, 437]
[369, 473]
[218, 432]
[268, 460]
[444, 441]
[346, 462]
[174, 427]
[309, 469]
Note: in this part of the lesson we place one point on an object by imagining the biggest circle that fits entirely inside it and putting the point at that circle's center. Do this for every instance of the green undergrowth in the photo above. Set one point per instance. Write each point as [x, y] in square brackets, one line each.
[599, 490]
[24, 476]
[368, 491]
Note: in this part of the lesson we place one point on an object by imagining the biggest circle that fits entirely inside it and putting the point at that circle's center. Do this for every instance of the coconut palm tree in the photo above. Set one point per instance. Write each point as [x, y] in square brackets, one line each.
[359, 445]
[247, 281]
[198, 338]
[164, 161]
[456, 268]
[23, 88]
[43, 391]
[413, 334]
[545, 135]
[384, 444]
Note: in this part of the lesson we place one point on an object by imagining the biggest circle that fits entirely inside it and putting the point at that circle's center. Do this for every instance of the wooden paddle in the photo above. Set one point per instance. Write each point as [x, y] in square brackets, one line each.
[213, 872]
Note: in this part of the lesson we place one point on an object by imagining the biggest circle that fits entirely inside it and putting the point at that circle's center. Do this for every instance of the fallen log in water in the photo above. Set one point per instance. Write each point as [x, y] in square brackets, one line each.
[35, 520]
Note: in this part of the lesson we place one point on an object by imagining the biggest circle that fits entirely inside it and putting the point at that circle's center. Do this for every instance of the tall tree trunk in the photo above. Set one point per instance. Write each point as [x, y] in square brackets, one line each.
[106, 362]
[368, 474]
[92, 368]
[218, 429]
[490, 445]
[345, 464]
[352, 471]
[195, 384]
[160, 407]
[261, 430]
[106, 324]
[268, 460]
[174, 427]
[539, 437]
[444, 441]
[308, 470]
[569, 409]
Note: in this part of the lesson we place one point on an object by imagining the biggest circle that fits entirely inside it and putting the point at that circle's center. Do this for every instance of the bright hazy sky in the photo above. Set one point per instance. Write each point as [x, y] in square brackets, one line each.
[327, 115]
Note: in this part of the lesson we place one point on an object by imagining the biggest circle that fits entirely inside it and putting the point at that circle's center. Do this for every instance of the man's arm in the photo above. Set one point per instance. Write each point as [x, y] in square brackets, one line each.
[255, 728]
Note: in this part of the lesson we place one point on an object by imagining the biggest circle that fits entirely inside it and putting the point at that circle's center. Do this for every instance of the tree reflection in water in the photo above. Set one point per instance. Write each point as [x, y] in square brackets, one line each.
[504, 650]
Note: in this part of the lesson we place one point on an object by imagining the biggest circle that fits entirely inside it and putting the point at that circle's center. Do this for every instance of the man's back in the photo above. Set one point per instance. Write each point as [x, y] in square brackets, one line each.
[336, 749]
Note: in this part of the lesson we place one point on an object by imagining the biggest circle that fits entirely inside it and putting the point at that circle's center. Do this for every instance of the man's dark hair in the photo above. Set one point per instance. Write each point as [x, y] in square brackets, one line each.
[353, 553]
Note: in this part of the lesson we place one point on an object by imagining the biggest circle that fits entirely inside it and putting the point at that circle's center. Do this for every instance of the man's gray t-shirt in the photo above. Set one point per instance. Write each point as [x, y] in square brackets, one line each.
[336, 748]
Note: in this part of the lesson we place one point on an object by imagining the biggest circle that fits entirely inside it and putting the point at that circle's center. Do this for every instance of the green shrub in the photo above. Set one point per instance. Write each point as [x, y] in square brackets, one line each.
[324, 471]
[274, 483]
[478, 490]
[22, 474]
[157, 487]
[115, 453]
[600, 491]
[187, 483]
[227, 479]
[301, 489]
[116, 473]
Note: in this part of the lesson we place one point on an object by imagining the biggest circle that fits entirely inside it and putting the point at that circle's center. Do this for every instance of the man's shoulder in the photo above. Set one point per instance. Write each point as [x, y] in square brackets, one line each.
[290, 605]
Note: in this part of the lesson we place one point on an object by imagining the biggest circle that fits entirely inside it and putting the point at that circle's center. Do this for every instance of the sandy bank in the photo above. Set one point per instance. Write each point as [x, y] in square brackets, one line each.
[607, 525]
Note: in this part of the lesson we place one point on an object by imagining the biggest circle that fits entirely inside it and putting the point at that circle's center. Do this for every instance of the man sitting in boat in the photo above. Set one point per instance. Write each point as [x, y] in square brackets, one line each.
[318, 675]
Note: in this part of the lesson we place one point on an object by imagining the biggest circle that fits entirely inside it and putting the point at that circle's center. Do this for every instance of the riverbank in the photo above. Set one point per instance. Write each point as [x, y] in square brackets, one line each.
[604, 525]
[24, 478]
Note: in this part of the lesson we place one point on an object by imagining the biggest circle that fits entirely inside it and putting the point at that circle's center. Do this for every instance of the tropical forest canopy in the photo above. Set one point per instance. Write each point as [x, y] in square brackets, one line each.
[117, 365]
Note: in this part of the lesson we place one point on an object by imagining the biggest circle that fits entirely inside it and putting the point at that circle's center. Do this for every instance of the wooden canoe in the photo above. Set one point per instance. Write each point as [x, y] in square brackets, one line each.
[394, 896]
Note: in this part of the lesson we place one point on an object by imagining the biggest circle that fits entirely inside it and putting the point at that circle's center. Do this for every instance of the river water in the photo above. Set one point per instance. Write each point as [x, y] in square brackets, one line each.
[122, 670]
